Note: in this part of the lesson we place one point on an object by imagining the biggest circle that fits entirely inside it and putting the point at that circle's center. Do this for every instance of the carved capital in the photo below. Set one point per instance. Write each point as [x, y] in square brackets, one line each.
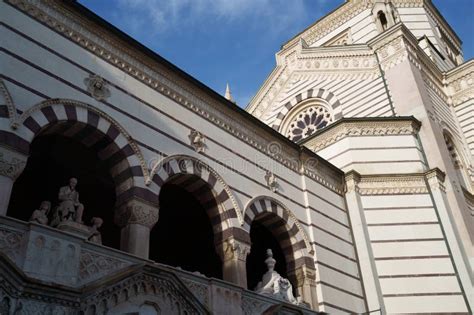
[435, 178]
[137, 211]
[232, 249]
[11, 163]
[352, 181]
[304, 276]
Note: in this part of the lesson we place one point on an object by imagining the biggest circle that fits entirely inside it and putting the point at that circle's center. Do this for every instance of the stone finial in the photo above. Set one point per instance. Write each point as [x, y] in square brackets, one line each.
[228, 94]
[271, 180]
[273, 284]
[197, 141]
[97, 87]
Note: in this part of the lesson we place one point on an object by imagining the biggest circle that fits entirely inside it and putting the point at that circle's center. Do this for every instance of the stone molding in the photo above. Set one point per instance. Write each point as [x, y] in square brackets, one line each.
[11, 164]
[8, 101]
[460, 83]
[149, 72]
[364, 127]
[386, 184]
[136, 211]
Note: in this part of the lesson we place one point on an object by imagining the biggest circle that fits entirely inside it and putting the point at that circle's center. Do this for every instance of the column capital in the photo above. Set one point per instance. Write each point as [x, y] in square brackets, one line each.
[352, 180]
[233, 249]
[12, 163]
[136, 211]
[435, 178]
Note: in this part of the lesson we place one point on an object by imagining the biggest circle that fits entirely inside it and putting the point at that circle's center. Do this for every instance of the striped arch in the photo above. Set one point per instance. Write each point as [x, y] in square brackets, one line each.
[284, 226]
[321, 94]
[96, 130]
[206, 185]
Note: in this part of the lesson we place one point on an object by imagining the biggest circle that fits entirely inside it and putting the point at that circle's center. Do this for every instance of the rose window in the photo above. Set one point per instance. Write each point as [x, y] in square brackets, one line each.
[307, 122]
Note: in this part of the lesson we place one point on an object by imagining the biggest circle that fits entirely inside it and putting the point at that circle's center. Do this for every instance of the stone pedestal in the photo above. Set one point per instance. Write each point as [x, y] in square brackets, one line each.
[75, 228]
[136, 218]
[234, 256]
[11, 166]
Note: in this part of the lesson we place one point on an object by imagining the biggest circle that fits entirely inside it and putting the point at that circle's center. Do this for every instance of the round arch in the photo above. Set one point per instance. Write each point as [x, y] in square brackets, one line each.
[226, 216]
[293, 239]
[93, 128]
[317, 95]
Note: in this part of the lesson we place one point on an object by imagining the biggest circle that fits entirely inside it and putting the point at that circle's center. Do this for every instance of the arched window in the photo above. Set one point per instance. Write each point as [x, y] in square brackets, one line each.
[383, 20]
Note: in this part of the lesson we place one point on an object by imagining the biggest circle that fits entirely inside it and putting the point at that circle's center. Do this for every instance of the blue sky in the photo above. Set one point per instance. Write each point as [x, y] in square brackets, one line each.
[235, 41]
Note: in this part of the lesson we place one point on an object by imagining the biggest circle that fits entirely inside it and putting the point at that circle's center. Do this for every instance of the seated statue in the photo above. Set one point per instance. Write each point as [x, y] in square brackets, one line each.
[70, 209]
[95, 236]
[273, 284]
[41, 215]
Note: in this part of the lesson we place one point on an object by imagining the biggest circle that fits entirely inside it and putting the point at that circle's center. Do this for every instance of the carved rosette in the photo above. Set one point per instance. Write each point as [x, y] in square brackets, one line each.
[11, 166]
[137, 212]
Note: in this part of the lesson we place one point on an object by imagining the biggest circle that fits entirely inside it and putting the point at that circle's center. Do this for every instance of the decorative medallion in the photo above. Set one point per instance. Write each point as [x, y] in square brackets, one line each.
[197, 140]
[97, 87]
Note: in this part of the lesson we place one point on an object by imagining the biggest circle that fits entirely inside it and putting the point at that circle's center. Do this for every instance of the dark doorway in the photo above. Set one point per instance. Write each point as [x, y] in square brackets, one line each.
[183, 236]
[262, 239]
[53, 160]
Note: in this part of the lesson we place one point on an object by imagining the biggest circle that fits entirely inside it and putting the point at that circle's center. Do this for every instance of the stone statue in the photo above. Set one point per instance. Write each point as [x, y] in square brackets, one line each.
[273, 284]
[41, 215]
[70, 209]
[95, 236]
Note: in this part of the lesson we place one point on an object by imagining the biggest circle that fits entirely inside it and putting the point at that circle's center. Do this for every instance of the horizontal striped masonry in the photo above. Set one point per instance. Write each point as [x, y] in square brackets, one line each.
[316, 94]
[284, 226]
[95, 130]
[207, 186]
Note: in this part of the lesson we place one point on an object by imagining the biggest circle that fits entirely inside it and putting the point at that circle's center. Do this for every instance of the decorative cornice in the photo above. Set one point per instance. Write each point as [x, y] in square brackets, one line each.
[460, 83]
[392, 184]
[146, 70]
[361, 127]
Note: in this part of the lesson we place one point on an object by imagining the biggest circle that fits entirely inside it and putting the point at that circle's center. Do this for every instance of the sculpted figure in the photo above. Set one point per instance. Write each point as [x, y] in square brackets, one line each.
[70, 208]
[41, 215]
[273, 284]
[95, 236]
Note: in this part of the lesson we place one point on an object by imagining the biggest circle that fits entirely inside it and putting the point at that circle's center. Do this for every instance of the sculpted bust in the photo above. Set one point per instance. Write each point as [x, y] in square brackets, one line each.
[41, 215]
[70, 209]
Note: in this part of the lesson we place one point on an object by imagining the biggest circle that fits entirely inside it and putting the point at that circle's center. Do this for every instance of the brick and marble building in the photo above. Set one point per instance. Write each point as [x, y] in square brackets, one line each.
[353, 163]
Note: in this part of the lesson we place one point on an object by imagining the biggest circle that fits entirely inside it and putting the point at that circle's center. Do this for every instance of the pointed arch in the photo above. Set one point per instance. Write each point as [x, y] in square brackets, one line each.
[95, 129]
[312, 94]
[227, 215]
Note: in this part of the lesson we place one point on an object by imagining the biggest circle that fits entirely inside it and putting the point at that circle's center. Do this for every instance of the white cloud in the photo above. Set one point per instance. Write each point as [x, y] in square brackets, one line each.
[158, 16]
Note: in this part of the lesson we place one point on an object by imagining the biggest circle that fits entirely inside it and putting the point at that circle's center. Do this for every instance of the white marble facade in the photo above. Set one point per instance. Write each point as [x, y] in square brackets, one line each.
[377, 206]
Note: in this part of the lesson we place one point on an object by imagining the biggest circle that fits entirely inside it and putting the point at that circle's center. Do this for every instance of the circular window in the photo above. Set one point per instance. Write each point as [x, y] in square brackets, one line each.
[307, 122]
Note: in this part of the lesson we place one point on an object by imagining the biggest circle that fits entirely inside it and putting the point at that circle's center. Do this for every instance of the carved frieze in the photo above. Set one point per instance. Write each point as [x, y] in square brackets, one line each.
[392, 185]
[93, 266]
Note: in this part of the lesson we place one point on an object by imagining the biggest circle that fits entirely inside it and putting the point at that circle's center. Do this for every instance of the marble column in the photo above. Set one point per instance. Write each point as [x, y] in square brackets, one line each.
[11, 166]
[234, 256]
[137, 218]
